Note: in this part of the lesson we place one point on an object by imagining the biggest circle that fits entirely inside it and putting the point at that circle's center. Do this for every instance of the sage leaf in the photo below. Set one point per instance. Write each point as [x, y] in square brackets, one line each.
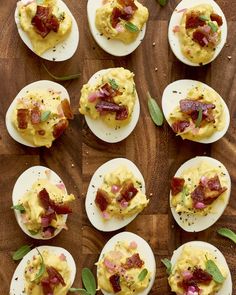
[167, 264]
[33, 233]
[155, 111]
[185, 192]
[113, 84]
[89, 281]
[162, 2]
[131, 27]
[42, 268]
[21, 252]
[80, 290]
[228, 233]
[45, 115]
[18, 207]
[39, 2]
[142, 275]
[213, 270]
[199, 119]
[213, 27]
[62, 78]
[203, 17]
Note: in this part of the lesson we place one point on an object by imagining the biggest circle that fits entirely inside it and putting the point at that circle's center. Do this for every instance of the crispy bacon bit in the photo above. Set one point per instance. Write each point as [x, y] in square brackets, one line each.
[41, 132]
[60, 127]
[217, 18]
[193, 20]
[115, 282]
[66, 109]
[106, 106]
[107, 92]
[35, 116]
[188, 106]
[177, 185]
[102, 199]
[199, 37]
[46, 286]
[47, 218]
[133, 262]
[22, 118]
[44, 198]
[54, 276]
[126, 13]
[48, 232]
[44, 21]
[180, 126]
[207, 192]
[199, 276]
[128, 191]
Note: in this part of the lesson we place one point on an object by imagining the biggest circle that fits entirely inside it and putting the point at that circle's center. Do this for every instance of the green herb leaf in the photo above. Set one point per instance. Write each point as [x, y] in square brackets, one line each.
[33, 233]
[113, 84]
[89, 281]
[203, 17]
[19, 207]
[199, 119]
[213, 269]
[228, 233]
[142, 275]
[131, 27]
[45, 115]
[80, 290]
[155, 111]
[21, 252]
[162, 2]
[214, 27]
[62, 78]
[42, 268]
[167, 264]
[39, 2]
[185, 192]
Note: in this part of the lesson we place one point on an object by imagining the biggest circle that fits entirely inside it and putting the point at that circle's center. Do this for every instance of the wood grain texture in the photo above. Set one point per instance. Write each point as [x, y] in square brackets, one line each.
[78, 153]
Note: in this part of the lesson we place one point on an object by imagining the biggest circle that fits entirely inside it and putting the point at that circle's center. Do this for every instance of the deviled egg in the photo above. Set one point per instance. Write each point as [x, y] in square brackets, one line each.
[197, 31]
[118, 26]
[116, 195]
[41, 203]
[57, 277]
[126, 266]
[48, 28]
[200, 192]
[110, 104]
[195, 111]
[39, 114]
[199, 268]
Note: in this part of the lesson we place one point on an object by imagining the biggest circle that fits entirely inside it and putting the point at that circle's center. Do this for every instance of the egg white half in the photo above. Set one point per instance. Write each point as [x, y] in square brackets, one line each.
[178, 90]
[143, 249]
[24, 184]
[63, 50]
[176, 19]
[38, 85]
[220, 259]
[18, 280]
[105, 132]
[113, 47]
[93, 213]
[198, 222]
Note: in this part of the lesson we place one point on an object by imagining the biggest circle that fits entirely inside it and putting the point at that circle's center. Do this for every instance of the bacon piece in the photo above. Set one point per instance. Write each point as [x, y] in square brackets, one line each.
[60, 209]
[60, 127]
[214, 183]
[107, 92]
[47, 218]
[44, 21]
[128, 191]
[115, 282]
[22, 118]
[126, 13]
[35, 116]
[54, 276]
[133, 262]
[217, 18]
[41, 132]
[179, 126]
[106, 106]
[177, 185]
[193, 20]
[66, 109]
[199, 37]
[44, 198]
[115, 17]
[46, 286]
[192, 107]
[128, 3]
[102, 199]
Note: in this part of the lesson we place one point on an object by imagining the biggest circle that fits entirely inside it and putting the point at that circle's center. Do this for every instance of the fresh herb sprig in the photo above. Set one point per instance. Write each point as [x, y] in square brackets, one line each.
[228, 233]
[18, 207]
[155, 111]
[199, 119]
[45, 115]
[21, 252]
[213, 270]
[167, 264]
[88, 282]
[142, 275]
[113, 84]
[42, 268]
[131, 27]
[62, 78]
